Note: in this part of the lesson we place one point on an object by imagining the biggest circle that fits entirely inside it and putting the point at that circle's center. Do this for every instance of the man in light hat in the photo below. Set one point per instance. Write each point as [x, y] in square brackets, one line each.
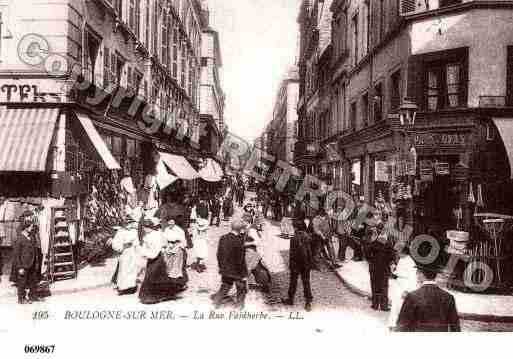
[232, 264]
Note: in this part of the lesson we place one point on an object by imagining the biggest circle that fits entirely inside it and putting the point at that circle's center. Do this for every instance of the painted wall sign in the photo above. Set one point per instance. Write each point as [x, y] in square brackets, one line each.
[19, 91]
[441, 139]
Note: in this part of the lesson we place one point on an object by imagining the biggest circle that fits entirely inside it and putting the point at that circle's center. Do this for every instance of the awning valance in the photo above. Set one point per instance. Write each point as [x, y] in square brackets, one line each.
[25, 138]
[505, 127]
[212, 171]
[164, 178]
[97, 141]
[179, 166]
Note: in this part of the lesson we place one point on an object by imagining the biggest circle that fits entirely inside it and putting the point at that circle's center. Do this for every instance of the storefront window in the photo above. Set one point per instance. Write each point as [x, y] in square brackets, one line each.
[382, 178]
[356, 178]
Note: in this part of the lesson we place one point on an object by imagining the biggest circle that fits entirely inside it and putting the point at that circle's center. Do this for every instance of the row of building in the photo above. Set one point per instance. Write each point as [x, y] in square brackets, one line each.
[98, 69]
[408, 103]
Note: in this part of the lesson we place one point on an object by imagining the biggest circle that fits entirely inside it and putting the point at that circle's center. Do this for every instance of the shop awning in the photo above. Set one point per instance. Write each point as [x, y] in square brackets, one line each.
[164, 178]
[25, 138]
[98, 142]
[505, 127]
[212, 171]
[179, 166]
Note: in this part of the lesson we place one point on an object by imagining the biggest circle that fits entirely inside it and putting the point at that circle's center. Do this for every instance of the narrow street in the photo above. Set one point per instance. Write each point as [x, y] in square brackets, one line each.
[332, 299]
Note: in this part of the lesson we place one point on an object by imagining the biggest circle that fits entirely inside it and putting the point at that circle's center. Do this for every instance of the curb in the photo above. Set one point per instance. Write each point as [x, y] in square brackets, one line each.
[486, 318]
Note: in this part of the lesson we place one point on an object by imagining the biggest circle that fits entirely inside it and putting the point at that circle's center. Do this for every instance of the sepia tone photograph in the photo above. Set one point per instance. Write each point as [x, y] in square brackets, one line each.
[315, 164]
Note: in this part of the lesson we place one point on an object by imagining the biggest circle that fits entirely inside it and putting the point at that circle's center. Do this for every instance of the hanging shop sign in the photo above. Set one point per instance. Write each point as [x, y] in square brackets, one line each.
[411, 164]
[442, 168]
[440, 139]
[381, 171]
[426, 171]
[401, 168]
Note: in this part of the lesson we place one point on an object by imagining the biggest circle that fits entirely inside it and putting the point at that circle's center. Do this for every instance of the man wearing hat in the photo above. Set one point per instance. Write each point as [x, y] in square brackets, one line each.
[429, 308]
[26, 259]
[232, 264]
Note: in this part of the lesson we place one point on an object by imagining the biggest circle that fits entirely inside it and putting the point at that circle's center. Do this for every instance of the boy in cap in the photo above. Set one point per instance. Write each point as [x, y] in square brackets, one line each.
[232, 264]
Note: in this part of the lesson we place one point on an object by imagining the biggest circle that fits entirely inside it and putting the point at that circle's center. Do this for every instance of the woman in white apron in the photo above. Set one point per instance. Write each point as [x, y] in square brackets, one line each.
[126, 242]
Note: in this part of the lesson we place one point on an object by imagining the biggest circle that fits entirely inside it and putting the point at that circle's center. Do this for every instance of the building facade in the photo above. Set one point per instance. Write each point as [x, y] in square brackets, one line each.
[281, 131]
[420, 106]
[116, 61]
[212, 98]
[313, 108]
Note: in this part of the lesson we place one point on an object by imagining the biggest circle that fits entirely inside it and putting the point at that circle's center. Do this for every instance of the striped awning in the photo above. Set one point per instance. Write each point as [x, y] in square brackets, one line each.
[98, 142]
[179, 166]
[25, 138]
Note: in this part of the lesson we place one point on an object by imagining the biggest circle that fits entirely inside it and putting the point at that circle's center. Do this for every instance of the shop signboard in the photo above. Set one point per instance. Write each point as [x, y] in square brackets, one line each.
[440, 139]
[33, 90]
[442, 168]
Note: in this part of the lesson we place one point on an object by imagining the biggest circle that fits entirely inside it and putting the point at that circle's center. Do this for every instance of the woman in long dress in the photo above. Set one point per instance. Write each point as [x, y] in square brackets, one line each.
[166, 273]
[200, 244]
[254, 260]
[126, 242]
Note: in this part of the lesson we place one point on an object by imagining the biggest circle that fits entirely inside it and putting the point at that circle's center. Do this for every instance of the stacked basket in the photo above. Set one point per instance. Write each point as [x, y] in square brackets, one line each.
[458, 242]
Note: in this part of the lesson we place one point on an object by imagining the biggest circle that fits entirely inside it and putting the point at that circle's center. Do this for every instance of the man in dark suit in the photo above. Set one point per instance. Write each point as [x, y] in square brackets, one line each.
[300, 263]
[429, 308]
[380, 256]
[26, 260]
[231, 261]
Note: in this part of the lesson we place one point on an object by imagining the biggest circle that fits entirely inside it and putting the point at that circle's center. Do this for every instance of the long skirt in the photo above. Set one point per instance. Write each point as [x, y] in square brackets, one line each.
[157, 286]
[200, 249]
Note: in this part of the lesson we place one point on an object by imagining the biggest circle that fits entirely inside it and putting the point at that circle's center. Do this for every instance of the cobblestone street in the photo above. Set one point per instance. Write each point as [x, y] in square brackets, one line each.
[331, 298]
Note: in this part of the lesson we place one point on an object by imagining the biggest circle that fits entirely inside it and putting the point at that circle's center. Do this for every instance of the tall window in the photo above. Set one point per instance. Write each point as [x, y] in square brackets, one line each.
[147, 23]
[378, 103]
[342, 106]
[106, 67]
[92, 48]
[175, 51]
[366, 28]
[118, 67]
[365, 110]
[395, 91]
[183, 65]
[164, 55]
[191, 78]
[156, 12]
[382, 19]
[355, 38]
[445, 87]
[352, 116]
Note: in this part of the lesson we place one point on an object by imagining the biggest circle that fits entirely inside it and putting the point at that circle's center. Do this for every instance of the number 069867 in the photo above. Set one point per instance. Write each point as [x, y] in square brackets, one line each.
[39, 349]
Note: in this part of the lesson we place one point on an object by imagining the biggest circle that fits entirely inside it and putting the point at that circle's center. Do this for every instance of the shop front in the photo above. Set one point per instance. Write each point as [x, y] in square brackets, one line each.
[461, 195]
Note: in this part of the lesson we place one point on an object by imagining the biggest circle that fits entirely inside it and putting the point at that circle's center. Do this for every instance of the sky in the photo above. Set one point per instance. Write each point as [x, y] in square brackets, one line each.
[258, 43]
